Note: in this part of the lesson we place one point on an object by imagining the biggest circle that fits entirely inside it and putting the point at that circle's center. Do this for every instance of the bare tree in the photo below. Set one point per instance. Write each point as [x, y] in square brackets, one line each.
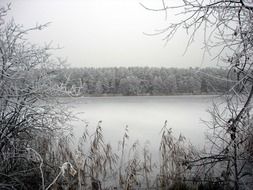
[27, 108]
[227, 26]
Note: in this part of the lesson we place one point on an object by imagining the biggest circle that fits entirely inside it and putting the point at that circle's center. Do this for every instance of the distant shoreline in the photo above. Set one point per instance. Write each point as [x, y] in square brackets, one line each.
[120, 95]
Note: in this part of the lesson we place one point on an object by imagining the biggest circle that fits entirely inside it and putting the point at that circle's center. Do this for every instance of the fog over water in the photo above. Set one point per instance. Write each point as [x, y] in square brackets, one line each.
[145, 117]
[110, 33]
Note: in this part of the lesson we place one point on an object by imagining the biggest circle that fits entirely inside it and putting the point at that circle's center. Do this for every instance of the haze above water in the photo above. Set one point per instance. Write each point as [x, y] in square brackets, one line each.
[144, 116]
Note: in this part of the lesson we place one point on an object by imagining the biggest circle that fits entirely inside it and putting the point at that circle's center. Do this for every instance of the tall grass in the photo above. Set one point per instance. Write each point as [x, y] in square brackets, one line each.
[95, 165]
[98, 166]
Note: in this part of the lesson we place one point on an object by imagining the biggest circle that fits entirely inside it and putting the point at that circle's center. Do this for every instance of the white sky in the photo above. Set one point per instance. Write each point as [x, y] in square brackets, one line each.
[106, 33]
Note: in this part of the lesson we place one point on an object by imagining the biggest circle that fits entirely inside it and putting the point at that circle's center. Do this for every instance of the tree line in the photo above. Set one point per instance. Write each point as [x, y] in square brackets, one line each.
[143, 81]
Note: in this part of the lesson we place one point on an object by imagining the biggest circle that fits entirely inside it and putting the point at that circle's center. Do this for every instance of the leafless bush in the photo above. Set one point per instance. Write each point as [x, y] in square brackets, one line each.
[28, 111]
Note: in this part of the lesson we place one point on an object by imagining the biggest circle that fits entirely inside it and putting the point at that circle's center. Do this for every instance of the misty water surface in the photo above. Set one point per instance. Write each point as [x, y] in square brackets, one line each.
[144, 116]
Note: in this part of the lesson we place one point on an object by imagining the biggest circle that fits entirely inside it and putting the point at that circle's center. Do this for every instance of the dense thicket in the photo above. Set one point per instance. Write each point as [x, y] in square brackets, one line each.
[144, 81]
[30, 119]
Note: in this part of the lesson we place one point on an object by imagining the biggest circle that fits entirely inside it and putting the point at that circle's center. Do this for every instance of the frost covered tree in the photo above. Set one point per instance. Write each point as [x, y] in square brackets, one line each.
[130, 85]
[98, 88]
[227, 27]
[27, 108]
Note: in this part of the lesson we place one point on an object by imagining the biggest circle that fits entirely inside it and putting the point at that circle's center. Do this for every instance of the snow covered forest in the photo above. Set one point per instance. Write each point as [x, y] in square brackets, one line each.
[143, 81]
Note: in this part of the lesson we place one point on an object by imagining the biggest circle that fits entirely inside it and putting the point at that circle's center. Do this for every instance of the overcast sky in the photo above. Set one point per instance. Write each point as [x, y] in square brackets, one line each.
[106, 33]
